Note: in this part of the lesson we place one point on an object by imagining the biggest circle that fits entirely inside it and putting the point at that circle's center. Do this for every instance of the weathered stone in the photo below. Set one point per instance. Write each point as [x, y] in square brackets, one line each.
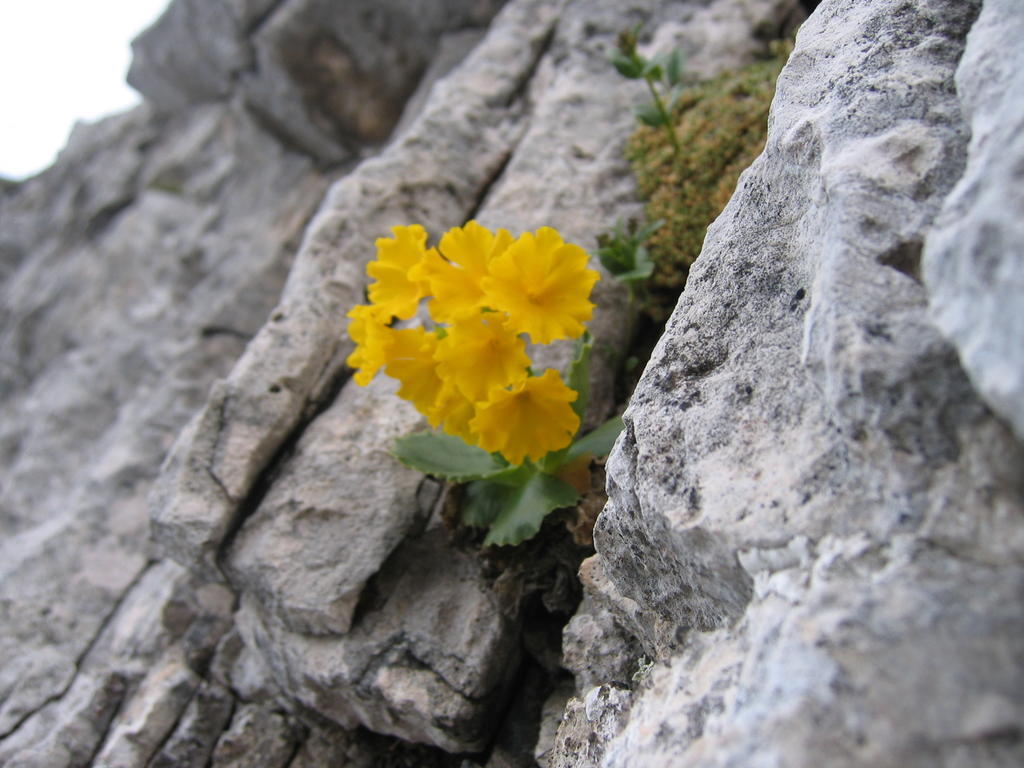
[323, 77]
[596, 649]
[67, 731]
[257, 738]
[193, 53]
[144, 258]
[588, 726]
[972, 258]
[192, 742]
[336, 748]
[872, 657]
[326, 75]
[30, 681]
[722, 34]
[818, 523]
[336, 510]
[428, 659]
[242, 669]
[550, 720]
[452, 48]
[150, 715]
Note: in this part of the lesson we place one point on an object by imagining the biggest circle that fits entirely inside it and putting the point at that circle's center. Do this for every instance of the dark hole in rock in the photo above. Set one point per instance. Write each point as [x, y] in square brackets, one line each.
[905, 258]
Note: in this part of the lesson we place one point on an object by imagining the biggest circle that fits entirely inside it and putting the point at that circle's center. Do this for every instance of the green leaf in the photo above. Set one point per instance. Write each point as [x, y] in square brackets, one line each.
[512, 476]
[483, 501]
[618, 257]
[598, 442]
[674, 67]
[653, 69]
[615, 250]
[674, 96]
[643, 266]
[648, 114]
[447, 457]
[515, 513]
[636, 275]
[645, 232]
[631, 67]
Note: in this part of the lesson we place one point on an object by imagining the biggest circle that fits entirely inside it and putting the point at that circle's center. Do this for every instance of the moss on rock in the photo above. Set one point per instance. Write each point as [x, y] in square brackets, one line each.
[721, 125]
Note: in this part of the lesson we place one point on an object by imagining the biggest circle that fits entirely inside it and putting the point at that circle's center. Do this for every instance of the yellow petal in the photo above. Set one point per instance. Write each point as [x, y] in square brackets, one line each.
[411, 360]
[455, 280]
[529, 420]
[453, 412]
[393, 291]
[544, 286]
[479, 354]
[368, 329]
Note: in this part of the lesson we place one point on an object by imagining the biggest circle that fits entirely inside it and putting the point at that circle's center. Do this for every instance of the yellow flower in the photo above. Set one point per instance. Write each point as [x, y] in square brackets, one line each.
[368, 329]
[410, 359]
[544, 285]
[453, 412]
[529, 420]
[479, 354]
[395, 293]
[455, 280]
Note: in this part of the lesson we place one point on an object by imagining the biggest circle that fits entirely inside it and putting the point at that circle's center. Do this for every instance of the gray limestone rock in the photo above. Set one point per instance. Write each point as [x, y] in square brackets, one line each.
[151, 250]
[813, 519]
[149, 719]
[588, 726]
[258, 737]
[973, 260]
[193, 53]
[554, 709]
[429, 658]
[191, 743]
[69, 731]
[326, 75]
[336, 510]
[595, 647]
[322, 76]
[139, 665]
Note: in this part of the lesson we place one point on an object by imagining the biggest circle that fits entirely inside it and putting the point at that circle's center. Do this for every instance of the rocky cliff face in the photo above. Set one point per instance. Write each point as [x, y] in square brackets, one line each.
[813, 546]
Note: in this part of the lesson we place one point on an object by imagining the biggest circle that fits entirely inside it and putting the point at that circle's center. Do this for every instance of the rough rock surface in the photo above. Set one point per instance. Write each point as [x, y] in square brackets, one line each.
[138, 266]
[314, 517]
[323, 77]
[816, 525]
[429, 660]
[814, 521]
[972, 258]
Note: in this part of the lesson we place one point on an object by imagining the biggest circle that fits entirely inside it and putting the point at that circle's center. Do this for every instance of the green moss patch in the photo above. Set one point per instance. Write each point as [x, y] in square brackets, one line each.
[721, 125]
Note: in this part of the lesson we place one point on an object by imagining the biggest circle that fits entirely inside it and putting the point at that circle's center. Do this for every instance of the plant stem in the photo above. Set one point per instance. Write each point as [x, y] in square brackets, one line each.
[666, 120]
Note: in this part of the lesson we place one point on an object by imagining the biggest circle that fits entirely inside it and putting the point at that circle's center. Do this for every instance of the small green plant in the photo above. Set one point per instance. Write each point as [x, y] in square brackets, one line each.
[663, 71]
[512, 435]
[622, 252]
[624, 255]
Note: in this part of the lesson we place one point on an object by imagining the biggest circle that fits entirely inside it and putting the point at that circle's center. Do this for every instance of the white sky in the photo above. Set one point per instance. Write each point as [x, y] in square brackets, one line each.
[62, 61]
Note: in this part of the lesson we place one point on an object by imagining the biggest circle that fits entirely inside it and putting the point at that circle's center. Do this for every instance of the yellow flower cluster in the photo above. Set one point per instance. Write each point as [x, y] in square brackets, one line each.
[471, 375]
